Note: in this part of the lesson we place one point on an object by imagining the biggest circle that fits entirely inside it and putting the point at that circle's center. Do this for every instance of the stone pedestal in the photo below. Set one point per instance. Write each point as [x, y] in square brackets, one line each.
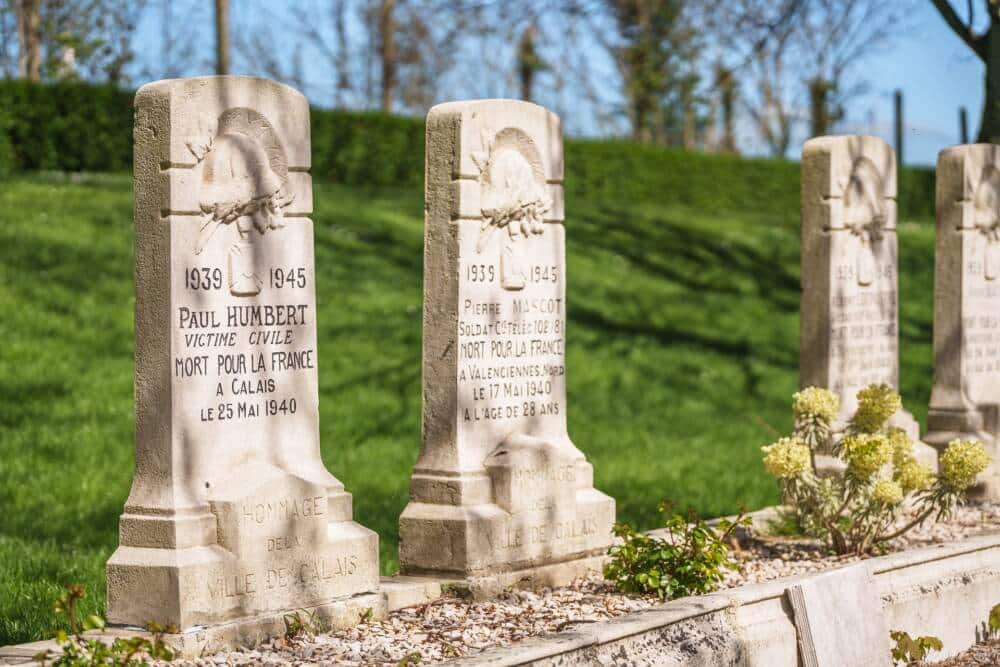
[966, 394]
[499, 486]
[232, 514]
[849, 315]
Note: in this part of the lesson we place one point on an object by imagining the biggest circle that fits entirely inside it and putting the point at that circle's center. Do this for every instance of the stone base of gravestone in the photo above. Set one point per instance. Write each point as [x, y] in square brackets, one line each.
[250, 632]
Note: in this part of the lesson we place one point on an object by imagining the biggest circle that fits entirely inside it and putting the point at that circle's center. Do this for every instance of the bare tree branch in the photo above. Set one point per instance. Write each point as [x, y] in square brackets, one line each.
[975, 42]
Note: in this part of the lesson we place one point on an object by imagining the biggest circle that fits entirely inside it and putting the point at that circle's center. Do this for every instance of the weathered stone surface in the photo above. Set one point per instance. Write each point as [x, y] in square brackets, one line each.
[966, 394]
[232, 513]
[849, 316]
[499, 486]
[820, 607]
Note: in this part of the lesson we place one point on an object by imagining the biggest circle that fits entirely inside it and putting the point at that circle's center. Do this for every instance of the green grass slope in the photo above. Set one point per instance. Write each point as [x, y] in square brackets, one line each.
[682, 356]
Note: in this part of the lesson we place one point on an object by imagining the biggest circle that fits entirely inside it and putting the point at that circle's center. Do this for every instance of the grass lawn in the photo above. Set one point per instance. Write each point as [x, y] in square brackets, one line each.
[682, 356]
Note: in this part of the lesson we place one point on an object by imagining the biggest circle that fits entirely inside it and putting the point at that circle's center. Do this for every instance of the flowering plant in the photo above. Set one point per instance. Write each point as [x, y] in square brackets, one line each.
[856, 509]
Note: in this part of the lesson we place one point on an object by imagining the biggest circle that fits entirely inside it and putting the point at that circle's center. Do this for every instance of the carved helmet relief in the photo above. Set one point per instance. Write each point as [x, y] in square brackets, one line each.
[865, 215]
[986, 218]
[243, 182]
[513, 197]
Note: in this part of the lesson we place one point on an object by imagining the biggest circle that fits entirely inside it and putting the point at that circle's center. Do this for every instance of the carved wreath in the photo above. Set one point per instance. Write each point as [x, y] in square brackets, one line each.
[520, 207]
[264, 204]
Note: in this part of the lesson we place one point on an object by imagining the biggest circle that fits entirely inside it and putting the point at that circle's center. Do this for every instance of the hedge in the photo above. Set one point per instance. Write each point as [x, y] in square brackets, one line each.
[83, 127]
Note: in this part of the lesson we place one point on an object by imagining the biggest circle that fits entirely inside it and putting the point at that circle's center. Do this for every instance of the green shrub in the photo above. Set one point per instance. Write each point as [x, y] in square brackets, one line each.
[6, 149]
[367, 148]
[74, 126]
[689, 561]
[855, 508]
[68, 126]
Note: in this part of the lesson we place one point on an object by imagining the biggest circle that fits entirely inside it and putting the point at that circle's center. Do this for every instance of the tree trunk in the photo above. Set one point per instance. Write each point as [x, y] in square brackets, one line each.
[819, 107]
[727, 84]
[989, 128]
[387, 51]
[29, 60]
[688, 119]
[222, 36]
[528, 63]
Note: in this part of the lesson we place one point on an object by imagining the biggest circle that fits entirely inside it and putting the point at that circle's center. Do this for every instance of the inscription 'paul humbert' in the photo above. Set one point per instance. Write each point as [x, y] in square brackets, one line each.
[965, 400]
[232, 514]
[499, 486]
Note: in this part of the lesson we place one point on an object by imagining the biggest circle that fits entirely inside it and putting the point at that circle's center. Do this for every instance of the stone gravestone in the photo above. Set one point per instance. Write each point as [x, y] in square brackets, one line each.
[849, 315]
[499, 489]
[839, 619]
[232, 515]
[966, 394]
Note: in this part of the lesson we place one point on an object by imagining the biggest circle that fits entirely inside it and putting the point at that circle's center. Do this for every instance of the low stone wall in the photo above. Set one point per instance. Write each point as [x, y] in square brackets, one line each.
[945, 591]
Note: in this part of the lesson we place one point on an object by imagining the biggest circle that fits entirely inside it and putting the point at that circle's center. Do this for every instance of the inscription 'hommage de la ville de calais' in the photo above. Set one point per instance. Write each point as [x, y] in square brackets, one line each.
[498, 486]
[232, 513]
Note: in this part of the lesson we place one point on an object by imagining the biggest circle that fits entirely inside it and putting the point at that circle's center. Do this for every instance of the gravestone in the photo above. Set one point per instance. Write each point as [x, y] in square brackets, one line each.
[499, 487]
[232, 515]
[849, 335]
[966, 394]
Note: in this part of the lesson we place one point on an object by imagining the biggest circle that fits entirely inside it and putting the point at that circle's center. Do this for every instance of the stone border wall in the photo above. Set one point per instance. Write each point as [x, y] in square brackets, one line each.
[944, 590]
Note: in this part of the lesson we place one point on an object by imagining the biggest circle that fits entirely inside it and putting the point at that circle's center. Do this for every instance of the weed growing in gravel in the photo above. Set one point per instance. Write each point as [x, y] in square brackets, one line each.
[303, 622]
[76, 650]
[690, 560]
[855, 505]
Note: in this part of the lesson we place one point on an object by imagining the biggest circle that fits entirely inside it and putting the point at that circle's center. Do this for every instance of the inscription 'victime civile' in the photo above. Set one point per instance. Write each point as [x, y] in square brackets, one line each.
[243, 182]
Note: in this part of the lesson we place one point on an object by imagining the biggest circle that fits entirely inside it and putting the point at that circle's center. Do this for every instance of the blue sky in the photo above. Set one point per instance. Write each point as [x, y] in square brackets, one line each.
[937, 74]
[935, 70]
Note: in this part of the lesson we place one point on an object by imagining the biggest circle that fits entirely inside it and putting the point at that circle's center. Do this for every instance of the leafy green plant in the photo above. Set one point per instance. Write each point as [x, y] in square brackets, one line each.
[906, 649]
[690, 560]
[302, 622]
[856, 509]
[77, 650]
[410, 659]
[993, 621]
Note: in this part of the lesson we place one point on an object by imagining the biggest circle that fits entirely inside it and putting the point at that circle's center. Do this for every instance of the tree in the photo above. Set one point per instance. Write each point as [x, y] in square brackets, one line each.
[800, 57]
[654, 47]
[725, 82]
[386, 44]
[29, 61]
[986, 46]
[835, 38]
[87, 39]
[529, 63]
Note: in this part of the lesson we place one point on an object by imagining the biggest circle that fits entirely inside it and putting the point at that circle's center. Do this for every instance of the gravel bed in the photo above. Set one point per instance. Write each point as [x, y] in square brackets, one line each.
[980, 655]
[453, 627]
